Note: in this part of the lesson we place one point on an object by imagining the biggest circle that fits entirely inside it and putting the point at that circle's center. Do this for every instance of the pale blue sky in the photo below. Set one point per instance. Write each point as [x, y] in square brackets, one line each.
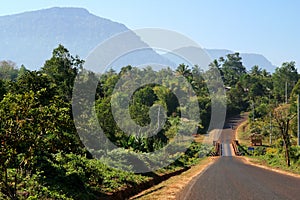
[268, 27]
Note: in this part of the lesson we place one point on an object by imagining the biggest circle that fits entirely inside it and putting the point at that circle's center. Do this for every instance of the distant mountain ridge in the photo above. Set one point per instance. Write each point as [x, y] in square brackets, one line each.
[248, 59]
[28, 38]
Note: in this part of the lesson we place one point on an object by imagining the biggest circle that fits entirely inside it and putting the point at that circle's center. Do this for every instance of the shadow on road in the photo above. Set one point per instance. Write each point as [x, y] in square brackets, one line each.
[233, 122]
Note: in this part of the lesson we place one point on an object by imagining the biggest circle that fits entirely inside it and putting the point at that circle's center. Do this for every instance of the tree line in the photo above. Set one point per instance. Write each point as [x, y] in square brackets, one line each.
[39, 139]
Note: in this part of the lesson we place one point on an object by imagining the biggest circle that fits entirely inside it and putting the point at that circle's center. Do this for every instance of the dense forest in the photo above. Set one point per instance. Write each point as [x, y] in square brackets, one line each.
[42, 155]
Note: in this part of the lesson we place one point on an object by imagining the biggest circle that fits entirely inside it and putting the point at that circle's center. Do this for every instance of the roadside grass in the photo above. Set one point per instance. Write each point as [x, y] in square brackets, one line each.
[199, 138]
[277, 163]
[242, 133]
[265, 155]
[170, 188]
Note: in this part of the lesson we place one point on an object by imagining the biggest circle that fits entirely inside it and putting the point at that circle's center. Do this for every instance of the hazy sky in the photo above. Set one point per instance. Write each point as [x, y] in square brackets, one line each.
[268, 27]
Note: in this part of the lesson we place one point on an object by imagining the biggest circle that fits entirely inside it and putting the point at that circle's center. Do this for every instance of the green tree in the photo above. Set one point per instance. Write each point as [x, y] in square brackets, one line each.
[183, 70]
[35, 81]
[28, 131]
[22, 71]
[232, 69]
[8, 70]
[286, 74]
[198, 81]
[283, 117]
[256, 71]
[3, 89]
[236, 98]
[295, 92]
[141, 102]
[62, 67]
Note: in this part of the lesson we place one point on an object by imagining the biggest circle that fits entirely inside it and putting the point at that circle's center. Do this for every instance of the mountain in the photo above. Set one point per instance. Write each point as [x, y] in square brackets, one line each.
[251, 59]
[29, 38]
[248, 59]
[217, 53]
[189, 54]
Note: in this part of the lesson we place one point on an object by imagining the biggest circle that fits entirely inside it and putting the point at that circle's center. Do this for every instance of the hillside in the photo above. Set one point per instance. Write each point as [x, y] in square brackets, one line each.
[249, 59]
[29, 38]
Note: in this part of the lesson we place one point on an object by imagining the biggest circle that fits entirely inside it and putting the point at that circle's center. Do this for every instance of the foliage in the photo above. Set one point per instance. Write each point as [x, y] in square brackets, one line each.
[8, 70]
[232, 69]
[62, 68]
[286, 74]
[275, 157]
[42, 156]
[193, 153]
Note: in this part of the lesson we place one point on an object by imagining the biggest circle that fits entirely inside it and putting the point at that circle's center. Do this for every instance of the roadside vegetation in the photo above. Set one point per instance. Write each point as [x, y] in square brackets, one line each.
[269, 154]
[42, 156]
[275, 124]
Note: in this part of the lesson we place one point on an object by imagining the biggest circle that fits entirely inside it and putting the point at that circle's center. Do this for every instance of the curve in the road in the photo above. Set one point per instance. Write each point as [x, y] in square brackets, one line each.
[231, 178]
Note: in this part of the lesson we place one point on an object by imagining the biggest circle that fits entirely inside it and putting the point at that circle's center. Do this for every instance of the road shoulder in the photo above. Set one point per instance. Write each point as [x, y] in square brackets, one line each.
[170, 188]
[250, 161]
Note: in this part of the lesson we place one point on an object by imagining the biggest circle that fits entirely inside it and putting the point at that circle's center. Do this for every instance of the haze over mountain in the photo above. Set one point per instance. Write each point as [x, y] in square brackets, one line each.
[248, 59]
[29, 38]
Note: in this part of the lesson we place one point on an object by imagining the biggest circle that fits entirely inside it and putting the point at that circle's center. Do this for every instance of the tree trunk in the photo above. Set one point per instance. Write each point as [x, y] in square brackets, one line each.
[287, 154]
[287, 145]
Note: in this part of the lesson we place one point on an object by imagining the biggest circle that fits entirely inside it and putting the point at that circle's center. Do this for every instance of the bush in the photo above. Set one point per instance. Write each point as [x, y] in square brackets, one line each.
[271, 152]
[70, 176]
[193, 153]
[295, 154]
[259, 151]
